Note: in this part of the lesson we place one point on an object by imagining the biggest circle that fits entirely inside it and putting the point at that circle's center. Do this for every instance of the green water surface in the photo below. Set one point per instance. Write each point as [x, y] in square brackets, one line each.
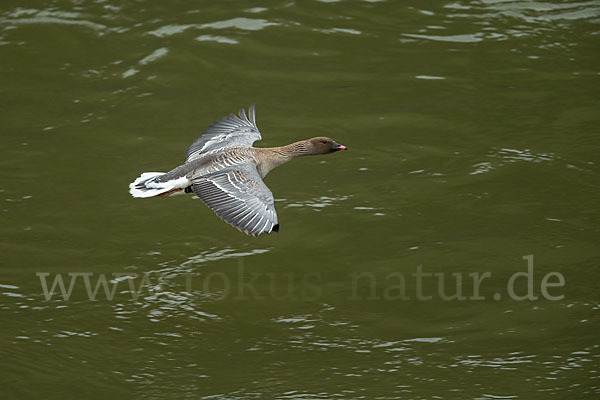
[473, 129]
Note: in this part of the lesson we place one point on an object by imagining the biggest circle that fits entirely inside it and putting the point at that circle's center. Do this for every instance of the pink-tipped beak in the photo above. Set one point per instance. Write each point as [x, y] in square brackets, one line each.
[340, 147]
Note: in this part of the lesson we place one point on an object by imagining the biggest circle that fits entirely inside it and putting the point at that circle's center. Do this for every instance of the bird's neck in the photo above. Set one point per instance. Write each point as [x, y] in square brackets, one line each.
[272, 157]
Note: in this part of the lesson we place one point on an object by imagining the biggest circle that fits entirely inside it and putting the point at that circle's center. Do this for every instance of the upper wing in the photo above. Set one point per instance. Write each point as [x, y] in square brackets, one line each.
[227, 132]
[239, 197]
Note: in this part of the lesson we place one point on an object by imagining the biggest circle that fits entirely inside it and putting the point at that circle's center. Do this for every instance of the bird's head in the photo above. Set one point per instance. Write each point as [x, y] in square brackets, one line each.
[324, 145]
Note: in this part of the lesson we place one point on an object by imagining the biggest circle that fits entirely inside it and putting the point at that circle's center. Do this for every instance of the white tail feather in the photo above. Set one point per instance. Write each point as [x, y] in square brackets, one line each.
[142, 188]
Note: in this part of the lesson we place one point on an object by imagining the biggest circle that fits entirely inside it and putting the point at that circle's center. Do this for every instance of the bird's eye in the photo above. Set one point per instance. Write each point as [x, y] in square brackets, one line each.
[324, 141]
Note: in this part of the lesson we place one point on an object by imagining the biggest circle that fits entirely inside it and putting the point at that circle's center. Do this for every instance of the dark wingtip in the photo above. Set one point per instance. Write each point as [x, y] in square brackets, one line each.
[276, 228]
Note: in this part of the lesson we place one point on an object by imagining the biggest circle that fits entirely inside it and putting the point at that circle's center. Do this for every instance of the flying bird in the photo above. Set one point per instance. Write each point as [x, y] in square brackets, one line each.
[226, 172]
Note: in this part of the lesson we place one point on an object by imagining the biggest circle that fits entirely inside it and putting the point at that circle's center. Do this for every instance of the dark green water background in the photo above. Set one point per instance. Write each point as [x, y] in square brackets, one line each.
[473, 129]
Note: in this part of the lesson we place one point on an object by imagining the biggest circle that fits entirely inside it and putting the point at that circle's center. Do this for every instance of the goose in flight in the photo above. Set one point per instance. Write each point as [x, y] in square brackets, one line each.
[226, 172]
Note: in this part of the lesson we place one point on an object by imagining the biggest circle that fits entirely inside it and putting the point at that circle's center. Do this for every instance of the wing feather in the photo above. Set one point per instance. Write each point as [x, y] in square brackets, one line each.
[239, 197]
[231, 131]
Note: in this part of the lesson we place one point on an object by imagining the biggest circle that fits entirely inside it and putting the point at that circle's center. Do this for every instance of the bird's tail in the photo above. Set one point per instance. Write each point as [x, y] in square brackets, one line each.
[149, 185]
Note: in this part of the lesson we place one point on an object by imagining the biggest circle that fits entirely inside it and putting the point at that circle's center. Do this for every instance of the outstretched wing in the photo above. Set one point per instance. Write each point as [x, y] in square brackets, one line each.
[231, 131]
[239, 197]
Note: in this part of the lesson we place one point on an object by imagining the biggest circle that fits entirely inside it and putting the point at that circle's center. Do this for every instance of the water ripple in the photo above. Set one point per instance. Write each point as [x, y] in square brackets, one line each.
[242, 23]
[156, 54]
[33, 16]
[468, 38]
[246, 24]
[503, 20]
[319, 202]
[218, 39]
[532, 11]
[169, 30]
[507, 156]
